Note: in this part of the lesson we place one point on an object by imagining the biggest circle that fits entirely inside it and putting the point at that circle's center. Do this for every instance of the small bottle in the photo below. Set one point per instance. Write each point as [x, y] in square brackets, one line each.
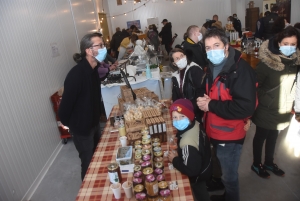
[114, 173]
[122, 130]
[148, 72]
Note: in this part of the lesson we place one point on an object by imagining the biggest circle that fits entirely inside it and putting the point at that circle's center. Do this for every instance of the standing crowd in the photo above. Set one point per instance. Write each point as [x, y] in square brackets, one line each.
[218, 94]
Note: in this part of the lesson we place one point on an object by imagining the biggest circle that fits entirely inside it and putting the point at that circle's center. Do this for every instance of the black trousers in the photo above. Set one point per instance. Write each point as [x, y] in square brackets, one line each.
[168, 48]
[262, 135]
[86, 145]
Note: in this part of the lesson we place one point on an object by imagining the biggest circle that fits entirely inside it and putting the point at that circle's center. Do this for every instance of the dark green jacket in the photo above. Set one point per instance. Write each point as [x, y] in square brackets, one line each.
[274, 108]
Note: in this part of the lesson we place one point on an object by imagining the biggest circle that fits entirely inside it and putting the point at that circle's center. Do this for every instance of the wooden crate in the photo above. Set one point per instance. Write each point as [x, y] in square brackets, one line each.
[134, 126]
[154, 96]
[126, 93]
[132, 137]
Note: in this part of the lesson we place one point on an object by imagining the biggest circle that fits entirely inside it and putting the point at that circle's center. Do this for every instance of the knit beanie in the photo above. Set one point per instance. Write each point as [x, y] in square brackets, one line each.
[183, 106]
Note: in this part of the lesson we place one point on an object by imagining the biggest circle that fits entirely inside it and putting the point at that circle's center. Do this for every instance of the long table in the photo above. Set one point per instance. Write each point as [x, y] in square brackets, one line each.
[95, 186]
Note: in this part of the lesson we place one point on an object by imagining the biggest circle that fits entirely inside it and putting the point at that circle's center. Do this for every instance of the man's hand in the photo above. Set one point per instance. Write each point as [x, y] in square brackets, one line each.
[203, 102]
[172, 154]
[112, 67]
[247, 125]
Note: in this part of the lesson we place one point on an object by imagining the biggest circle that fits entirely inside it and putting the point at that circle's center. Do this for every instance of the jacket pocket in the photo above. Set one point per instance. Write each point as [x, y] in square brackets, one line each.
[266, 100]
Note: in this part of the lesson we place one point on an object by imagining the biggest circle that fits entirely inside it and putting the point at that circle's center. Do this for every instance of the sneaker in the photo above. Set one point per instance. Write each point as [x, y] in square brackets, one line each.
[214, 185]
[217, 197]
[275, 169]
[260, 171]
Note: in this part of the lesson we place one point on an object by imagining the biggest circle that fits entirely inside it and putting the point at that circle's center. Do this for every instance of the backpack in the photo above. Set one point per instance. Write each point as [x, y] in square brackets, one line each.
[176, 94]
[205, 152]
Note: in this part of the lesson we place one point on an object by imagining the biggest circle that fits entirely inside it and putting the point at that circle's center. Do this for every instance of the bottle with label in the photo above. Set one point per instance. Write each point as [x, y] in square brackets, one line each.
[122, 130]
[148, 72]
[114, 173]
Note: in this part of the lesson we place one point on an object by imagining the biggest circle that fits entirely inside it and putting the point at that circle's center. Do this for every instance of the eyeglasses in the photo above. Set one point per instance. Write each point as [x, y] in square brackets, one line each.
[100, 46]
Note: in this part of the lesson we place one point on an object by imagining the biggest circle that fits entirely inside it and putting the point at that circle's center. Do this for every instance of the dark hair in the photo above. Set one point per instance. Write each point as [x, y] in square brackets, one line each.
[267, 13]
[287, 32]
[278, 26]
[231, 18]
[274, 9]
[85, 43]
[174, 51]
[234, 14]
[218, 33]
[297, 25]
[133, 37]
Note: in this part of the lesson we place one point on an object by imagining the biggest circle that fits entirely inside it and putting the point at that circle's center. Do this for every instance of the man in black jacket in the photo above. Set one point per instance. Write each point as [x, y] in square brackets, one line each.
[80, 105]
[229, 101]
[166, 35]
[268, 22]
[116, 41]
[194, 44]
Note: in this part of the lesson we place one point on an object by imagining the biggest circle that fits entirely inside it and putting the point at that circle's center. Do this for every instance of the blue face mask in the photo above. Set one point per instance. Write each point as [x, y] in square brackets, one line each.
[287, 50]
[101, 54]
[216, 56]
[181, 124]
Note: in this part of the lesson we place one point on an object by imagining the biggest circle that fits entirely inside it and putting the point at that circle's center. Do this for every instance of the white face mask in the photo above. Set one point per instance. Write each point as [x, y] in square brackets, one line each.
[182, 63]
[200, 37]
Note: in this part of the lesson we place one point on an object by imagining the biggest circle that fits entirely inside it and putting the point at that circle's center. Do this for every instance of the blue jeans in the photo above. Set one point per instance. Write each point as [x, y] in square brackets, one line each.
[229, 157]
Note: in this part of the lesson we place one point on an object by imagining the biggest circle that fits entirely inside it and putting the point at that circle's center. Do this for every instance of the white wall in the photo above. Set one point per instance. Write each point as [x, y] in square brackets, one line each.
[29, 137]
[181, 15]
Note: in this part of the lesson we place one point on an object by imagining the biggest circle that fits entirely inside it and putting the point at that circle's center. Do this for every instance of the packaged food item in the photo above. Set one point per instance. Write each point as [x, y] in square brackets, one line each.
[160, 178]
[137, 181]
[156, 149]
[159, 165]
[114, 173]
[145, 165]
[163, 185]
[141, 197]
[155, 140]
[137, 168]
[165, 195]
[139, 189]
[158, 153]
[146, 157]
[151, 185]
[137, 174]
[158, 171]
[158, 159]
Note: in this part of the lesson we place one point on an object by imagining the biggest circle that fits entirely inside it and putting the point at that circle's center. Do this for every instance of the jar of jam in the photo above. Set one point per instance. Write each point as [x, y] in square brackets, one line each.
[141, 197]
[138, 157]
[139, 189]
[114, 173]
[159, 165]
[146, 152]
[138, 161]
[147, 171]
[146, 141]
[151, 185]
[165, 195]
[137, 142]
[160, 178]
[158, 153]
[146, 146]
[146, 164]
[137, 168]
[138, 146]
[137, 181]
[158, 171]
[138, 151]
[158, 159]
[137, 174]
[153, 198]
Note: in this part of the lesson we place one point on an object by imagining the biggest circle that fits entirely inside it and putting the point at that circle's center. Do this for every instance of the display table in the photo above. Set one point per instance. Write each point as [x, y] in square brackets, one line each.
[95, 186]
[111, 92]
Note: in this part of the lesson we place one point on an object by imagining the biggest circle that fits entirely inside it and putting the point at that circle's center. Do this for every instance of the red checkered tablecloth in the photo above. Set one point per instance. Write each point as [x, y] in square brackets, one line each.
[95, 186]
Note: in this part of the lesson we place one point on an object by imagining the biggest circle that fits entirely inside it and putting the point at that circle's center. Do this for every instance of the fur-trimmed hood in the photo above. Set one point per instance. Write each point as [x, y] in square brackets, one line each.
[274, 61]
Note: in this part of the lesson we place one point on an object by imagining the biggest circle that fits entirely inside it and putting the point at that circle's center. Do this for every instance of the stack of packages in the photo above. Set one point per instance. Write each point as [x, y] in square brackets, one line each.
[148, 178]
[144, 112]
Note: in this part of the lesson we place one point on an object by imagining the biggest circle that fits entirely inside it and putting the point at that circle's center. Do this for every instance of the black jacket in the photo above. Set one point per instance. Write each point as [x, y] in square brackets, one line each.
[166, 34]
[237, 26]
[198, 53]
[240, 80]
[116, 40]
[268, 23]
[77, 107]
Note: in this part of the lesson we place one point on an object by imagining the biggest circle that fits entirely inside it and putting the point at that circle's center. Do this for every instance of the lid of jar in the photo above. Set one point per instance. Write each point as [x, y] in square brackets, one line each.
[156, 140]
[156, 149]
[156, 144]
[138, 188]
[137, 167]
[165, 192]
[137, 174]
[150, 178]
[158, 159]
[160, 177]
[147, 170]
[158, 153]
[146, 157]
[162, 184]
[137, 180]
[138, 156]
[158, 164]
[146, 141]
[113, 166]
[145, 151]
[158, 171]
[137, 142]
[138, 151]
[140, 196]
[138, 146]
[145, 164]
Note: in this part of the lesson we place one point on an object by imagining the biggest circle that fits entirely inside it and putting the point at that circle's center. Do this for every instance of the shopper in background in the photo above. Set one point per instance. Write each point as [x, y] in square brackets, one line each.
[189, 159]
[166, 35]
[259, 25]
[128, 42]
[276, 75]
[194, 44]
[153, 37]
[268, 22]
[190, 77]
[80, 105]
[237, 24]
[116, 41]
[230, 99]
[217, 24]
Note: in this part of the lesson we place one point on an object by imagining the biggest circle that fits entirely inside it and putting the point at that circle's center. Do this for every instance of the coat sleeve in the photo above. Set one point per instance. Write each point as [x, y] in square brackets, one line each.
[243, 92]
[197, 77]
[72, 87]
[297, 97]
[190, 163]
